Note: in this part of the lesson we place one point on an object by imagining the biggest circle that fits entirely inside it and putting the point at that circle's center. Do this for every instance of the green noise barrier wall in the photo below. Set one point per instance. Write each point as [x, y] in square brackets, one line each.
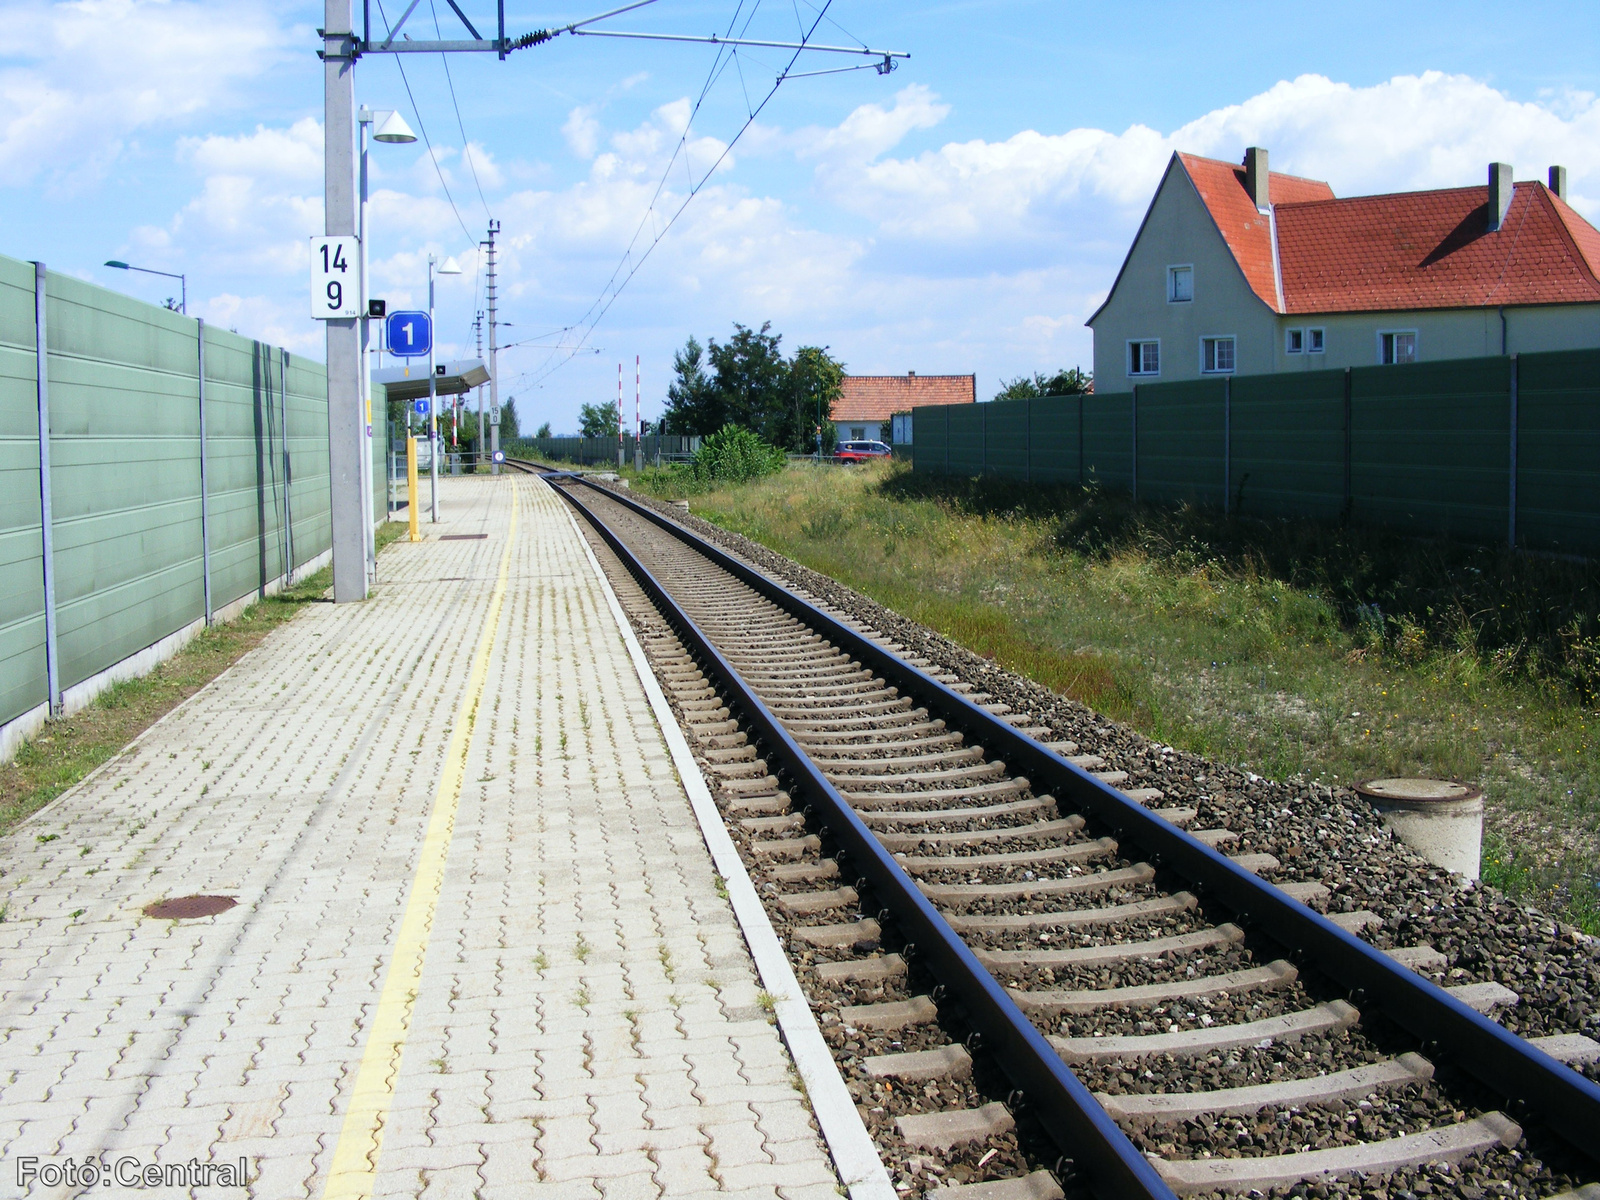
[1482, 449]
[123, 390]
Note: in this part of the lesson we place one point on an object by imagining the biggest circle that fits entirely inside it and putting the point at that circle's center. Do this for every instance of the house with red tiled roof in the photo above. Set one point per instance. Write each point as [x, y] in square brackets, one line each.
[1238, 269]
[866, 402]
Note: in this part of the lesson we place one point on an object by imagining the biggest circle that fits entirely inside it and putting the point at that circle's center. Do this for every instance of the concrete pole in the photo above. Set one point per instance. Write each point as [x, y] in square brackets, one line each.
[638, 439]
[494, 361]
[482, 430]
[368, 536]
[619, 416]
[345, 440]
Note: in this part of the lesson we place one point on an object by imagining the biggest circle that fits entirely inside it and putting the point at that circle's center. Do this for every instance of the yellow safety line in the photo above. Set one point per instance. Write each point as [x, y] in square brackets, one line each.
[355, 1157]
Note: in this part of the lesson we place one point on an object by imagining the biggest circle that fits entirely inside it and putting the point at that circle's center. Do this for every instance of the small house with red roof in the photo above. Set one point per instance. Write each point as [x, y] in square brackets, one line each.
[1238, 269]
[866, 402]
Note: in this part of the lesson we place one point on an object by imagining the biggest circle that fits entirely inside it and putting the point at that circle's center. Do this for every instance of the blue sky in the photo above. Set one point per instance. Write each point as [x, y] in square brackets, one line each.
[963, 214]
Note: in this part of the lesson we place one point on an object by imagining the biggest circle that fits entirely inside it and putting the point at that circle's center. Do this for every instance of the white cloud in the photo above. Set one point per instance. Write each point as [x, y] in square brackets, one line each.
[976, 255]
[872, 129]
[582, 131]
[1421, 131]
[294, 153]
[96, 73]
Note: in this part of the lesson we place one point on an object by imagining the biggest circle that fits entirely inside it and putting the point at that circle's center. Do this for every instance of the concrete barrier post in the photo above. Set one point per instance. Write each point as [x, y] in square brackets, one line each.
[52, 662]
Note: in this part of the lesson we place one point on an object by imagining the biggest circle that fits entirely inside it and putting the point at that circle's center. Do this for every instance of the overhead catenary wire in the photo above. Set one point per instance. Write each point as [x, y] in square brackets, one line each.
[614, 287]
[466, 143]
[719, 64]
[427, 142]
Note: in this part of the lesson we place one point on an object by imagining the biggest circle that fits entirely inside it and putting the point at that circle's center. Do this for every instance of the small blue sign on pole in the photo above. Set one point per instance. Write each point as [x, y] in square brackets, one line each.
[499, 456]
[421, 407]
[409, 334]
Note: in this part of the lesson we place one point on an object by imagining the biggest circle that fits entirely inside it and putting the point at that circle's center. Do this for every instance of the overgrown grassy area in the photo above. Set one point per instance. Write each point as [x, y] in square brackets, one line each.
[67, 750]
[1290, 649]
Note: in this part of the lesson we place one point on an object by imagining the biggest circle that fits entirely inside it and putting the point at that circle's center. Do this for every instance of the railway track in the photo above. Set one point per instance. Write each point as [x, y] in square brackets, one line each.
[1034, 980]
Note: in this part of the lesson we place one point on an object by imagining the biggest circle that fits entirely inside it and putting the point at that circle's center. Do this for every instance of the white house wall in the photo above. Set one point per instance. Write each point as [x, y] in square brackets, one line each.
[1351, 339]
[1179, 231]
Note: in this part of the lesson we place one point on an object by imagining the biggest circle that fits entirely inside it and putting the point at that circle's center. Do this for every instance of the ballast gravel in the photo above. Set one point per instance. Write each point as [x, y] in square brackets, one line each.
[1318, 833]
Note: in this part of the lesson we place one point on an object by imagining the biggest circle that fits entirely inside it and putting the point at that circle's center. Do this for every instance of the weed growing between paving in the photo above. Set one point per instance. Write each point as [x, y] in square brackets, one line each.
[1291, 649]
[65, 751]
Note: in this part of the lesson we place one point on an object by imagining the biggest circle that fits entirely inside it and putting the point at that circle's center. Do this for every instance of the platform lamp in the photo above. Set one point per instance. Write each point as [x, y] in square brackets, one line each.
[183, 282]
[390, 128]
[435, 267]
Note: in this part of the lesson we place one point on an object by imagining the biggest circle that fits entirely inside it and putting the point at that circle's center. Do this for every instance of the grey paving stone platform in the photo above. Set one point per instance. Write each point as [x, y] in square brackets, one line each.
[478, 947]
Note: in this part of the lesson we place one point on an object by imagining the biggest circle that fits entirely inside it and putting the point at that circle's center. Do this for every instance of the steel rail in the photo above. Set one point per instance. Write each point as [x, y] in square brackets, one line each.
[1507, 1064]
[1067, 1110]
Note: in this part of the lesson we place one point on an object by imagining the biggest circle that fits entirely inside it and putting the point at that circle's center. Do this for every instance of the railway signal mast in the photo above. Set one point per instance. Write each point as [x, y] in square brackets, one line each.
[342, 47]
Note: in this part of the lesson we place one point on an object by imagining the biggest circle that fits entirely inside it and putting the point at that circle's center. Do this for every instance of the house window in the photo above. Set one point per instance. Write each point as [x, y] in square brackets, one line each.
[1314, 341]
[1397, 347]
[1144, 358]
[1180, 285]
[858, 433]
[1216, 355]
[1294, 341]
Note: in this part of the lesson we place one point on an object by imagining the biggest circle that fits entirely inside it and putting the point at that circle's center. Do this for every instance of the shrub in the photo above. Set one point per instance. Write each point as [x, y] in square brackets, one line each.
[735, 454]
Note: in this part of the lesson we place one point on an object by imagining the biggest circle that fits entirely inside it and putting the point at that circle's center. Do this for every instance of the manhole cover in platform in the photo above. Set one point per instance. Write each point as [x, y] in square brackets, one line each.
[186, 907]
[462, 537]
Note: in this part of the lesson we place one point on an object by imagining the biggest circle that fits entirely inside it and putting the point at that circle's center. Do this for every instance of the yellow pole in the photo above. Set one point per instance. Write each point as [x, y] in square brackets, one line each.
[411, 486]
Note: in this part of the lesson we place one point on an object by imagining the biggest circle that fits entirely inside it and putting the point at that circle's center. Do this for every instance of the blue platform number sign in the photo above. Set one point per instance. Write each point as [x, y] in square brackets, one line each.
[421, 407]
[410, 334]
[499, 456]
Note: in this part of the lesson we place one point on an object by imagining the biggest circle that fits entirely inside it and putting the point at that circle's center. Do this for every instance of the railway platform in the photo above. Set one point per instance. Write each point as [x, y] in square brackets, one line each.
[441, 920]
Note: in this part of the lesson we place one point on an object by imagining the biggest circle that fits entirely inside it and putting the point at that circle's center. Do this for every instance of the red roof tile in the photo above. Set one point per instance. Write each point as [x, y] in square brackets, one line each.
[1434, 250]
[878, 397]
[1247, 231]
[1407, 250]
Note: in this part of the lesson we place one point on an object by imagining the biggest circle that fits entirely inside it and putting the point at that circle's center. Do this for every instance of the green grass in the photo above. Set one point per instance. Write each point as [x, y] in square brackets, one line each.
[65, 751]
[1289, 649]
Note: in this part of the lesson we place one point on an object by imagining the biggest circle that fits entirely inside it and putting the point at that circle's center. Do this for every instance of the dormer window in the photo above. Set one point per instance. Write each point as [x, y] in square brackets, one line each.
[1180, 285]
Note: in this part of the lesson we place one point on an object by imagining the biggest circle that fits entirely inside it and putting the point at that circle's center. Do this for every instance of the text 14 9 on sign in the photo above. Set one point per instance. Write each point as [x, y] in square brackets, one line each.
[336, 278]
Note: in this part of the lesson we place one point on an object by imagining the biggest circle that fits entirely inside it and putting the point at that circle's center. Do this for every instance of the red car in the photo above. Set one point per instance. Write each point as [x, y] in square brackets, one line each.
[853, 452]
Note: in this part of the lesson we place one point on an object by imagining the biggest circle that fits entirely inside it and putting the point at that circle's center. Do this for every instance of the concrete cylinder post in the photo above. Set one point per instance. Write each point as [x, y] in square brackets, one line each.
[1441, 820]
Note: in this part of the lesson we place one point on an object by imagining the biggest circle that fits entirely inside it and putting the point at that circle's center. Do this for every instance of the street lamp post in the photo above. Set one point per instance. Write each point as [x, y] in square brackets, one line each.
[183, 282]
[447, 267]
[392, 129]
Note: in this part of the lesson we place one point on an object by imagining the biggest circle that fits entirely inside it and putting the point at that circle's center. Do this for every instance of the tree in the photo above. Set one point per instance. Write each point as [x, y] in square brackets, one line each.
[692, 404]
[1065, 382]
[543, 431]
[746, 381]
[508, 419]
[750, 376]
[815, 382]
[598, 420]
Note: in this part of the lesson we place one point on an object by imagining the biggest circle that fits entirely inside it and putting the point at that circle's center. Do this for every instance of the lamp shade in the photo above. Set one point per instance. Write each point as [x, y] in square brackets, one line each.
[449, 267]
[111, 262]
[394, 129]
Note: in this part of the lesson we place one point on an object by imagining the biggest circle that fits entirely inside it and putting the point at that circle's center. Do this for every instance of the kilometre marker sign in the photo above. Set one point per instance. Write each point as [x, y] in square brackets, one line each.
[336, 278]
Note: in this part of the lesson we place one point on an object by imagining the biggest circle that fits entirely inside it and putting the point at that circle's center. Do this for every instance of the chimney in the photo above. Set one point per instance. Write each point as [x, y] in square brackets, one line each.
[911, 374]
[1256, 176]
[1500, 188]
[1558, 181]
